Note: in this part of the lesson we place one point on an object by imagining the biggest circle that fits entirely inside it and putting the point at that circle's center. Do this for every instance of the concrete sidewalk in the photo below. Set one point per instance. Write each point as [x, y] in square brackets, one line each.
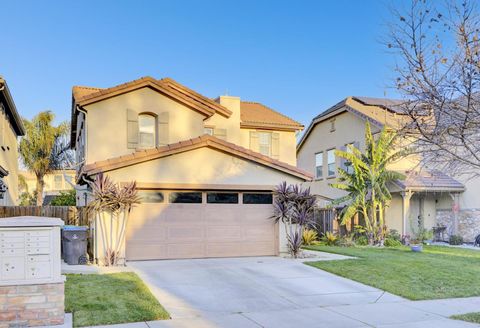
[278, 292]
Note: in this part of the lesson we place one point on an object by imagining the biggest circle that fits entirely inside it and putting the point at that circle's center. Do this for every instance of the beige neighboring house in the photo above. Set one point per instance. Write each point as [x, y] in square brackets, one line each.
[440, 199]
[205, 167]
[55, 182]
[11, 127]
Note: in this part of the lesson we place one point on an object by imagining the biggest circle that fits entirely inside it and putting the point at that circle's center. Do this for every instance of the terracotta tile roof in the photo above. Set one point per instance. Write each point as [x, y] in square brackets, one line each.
[188, 145]
[85, 95]
[254, 114]
[429, 180]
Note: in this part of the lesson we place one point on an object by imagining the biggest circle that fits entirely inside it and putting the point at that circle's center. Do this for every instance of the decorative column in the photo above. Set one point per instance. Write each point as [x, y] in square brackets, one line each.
[406, 196]
[455, 210]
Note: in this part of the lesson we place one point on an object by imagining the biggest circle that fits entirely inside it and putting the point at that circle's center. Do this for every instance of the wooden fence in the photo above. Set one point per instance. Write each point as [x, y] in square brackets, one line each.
[69, 214]
[325, 220]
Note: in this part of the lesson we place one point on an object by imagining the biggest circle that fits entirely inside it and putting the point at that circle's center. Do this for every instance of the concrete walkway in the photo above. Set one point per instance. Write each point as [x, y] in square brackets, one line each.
[277, 292]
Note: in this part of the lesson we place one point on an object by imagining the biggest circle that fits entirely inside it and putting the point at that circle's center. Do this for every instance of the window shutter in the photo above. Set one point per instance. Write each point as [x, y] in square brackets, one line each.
[254, 141]
[132, 129]
[163, 129]
[220, 133]
[275, 145]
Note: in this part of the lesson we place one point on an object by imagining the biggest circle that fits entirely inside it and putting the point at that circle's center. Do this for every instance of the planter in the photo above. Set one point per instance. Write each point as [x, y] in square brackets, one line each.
[416, 248]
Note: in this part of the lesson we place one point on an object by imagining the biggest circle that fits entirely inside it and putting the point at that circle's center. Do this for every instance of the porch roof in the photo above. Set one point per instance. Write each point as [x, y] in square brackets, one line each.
[429, 181]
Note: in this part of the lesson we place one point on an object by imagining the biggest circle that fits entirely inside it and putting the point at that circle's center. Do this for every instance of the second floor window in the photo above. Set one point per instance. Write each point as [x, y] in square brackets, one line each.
[265, 143]
[57, 181]
[208, 131]
[146, 131]
[331, 162]
[319, 165]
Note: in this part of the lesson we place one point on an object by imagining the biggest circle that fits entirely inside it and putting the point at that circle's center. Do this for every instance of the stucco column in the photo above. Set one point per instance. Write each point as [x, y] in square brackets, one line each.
[406, 195]
[455, 210]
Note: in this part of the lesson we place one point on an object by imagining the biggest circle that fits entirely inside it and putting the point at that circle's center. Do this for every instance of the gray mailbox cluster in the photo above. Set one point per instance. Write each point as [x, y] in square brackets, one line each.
[30, 251]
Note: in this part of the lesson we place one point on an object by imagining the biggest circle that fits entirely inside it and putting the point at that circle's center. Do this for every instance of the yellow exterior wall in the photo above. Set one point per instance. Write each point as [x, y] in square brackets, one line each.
[106, 134]
[107, 122]
[287, 143]
[49, 179]
[217, 168]
[9, 160]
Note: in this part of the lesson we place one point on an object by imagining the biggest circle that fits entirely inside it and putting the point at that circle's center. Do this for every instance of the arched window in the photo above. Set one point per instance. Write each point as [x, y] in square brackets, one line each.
[146, 131]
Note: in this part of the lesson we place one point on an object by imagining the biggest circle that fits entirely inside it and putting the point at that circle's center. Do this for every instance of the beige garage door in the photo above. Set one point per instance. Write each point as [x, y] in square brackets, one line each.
[211, 225]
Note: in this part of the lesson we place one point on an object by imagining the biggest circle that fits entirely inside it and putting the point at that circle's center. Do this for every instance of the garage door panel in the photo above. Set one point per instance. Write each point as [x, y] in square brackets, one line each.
[169, 231]
[259, 233]
[181, 251]
[224, 233]
[185, 233]
[150, 233]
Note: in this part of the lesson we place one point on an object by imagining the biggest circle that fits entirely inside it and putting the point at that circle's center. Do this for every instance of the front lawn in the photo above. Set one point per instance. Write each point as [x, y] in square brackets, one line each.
[437, 272]
[470, 317]
[105, 299]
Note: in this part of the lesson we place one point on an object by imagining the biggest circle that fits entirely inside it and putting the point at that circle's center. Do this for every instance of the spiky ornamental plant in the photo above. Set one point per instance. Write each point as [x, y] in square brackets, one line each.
[367, 183]
[111, 205]
[294, 208]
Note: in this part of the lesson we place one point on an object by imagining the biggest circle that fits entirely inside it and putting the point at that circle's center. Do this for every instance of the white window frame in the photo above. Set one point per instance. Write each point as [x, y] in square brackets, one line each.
[208, 130]
[331, 151]
[319, 157]
[268, 144]
[153, 131]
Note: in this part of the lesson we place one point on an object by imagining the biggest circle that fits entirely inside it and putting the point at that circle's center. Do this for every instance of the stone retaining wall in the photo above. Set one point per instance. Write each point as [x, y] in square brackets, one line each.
[31, 305]
[468, 223]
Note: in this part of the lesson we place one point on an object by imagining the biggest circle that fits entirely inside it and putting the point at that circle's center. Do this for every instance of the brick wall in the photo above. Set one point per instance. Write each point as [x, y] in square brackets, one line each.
[31, 305]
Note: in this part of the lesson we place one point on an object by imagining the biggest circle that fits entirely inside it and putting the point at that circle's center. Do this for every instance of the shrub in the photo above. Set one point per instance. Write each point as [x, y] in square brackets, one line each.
[392, 242]
[330, 239]
[361, 241]
[345, 242]
[394, 234]
[310, 237]
[456, 240]
[66, 198]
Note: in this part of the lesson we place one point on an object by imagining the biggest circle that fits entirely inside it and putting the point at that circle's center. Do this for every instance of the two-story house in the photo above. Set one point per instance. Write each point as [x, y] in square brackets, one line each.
[55, 182]
[441, 200]
[205, 168]
[11, 127]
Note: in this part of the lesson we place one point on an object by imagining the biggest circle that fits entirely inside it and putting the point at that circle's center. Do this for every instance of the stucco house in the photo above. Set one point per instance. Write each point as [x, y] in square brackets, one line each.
[441, 200]
[11, 127]
[205, 168]
[55, 182]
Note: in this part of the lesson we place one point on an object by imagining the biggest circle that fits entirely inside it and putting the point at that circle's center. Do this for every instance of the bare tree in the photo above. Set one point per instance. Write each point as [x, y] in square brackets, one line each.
[438, 74]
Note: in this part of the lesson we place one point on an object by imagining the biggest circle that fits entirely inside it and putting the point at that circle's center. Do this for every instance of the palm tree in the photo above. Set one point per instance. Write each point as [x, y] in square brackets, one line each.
[367, 183]
[44, 148]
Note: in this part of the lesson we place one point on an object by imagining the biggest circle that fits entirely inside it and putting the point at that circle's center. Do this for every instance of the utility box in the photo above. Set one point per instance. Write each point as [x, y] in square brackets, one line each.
[30, 271]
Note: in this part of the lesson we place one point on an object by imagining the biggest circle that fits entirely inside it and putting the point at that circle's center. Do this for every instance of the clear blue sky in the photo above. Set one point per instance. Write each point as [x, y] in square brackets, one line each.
[298, 57]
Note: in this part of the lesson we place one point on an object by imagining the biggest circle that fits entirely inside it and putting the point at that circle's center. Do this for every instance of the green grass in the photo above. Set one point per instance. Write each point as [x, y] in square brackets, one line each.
[437, 272]
[96, 299]
[470, 317]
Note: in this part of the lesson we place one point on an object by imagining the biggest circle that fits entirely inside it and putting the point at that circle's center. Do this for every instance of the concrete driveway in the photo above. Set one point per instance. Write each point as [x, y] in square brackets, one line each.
[274, 292]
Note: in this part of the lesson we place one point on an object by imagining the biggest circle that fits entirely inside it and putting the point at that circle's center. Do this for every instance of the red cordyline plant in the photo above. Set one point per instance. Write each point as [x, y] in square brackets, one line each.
[112, 204]
[294, 207]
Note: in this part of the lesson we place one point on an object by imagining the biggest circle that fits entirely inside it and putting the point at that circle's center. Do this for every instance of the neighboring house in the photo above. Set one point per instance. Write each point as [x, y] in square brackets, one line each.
[11, 127]
[55, 182]
[440, 199]
[205, 168]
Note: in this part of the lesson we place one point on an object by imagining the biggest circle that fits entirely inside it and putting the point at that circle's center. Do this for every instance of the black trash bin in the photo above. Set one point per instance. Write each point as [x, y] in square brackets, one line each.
[74, 243]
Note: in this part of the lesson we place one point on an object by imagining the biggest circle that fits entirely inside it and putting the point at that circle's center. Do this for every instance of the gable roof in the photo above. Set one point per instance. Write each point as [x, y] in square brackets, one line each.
[257, 115]
[379, 112]
[83, 96]
[188, 145]
[429, 181]
[10, 108]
